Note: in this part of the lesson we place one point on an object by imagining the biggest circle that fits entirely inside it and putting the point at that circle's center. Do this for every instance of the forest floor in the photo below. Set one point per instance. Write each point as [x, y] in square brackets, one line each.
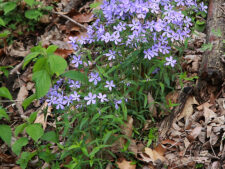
[196, 137]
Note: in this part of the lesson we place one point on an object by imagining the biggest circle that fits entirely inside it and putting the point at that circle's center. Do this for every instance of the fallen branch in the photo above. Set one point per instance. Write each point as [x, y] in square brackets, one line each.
[70, 19]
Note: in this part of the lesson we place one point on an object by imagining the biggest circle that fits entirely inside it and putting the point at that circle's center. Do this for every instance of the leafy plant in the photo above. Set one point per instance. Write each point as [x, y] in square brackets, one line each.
[46, 65]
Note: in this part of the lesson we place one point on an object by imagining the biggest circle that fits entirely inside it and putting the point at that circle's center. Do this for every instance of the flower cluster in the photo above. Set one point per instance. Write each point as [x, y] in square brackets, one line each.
[125, 26]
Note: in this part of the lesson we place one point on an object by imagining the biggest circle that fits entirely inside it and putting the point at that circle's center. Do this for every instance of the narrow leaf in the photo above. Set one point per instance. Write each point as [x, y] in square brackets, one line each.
[4, 92]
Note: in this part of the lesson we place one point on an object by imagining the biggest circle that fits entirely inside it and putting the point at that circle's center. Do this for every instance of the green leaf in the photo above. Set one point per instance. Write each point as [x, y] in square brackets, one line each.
[40, 64]
[35, 131]
[19, 129]
[32, 117]
[9, 6]
[33, 14]
[2, 23]
[42, 82]
[95, 5]
[17, 146]
[24, 159]
[29, 100]
[3, 114]
[57, 64]
[50, 136]
[47, 156]
[6, 134]
[4, 34]
[4, 92]
[51, 49]
[30, 2]
[29, 57]
[76, 75]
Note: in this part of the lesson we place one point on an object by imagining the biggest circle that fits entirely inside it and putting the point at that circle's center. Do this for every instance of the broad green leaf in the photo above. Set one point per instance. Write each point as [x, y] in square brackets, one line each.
[4, 34]
[4, 92]
[57, 64]
[32, 14]
[40, 64]
[76, 75]
[29, 100]
[17, 146]
[50, 136]
[51, 49]
[30, 2]
[9, 6]
[25, 158]
[42, 82]
[47, 156]
[2, 23]
[19, 129]
[35, 131]
[32, 117]
[6, 134]
[3, 114]
[29, 57]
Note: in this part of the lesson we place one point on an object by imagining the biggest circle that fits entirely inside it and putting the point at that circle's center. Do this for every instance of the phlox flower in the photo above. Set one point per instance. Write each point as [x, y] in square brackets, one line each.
[117, 102]
[203, 7]
[150, 53]
[94, 77]
[75, 96]
[102, 97]
[67, 100]
[76, 61]
[106, 37]
[111, 55]
[170, 61]
[110, 85]
[74, 84]
[91, 98]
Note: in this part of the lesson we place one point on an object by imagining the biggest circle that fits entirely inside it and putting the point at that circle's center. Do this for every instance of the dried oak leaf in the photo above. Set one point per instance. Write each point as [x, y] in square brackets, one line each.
[152, 155]
[208, 114]
[195, 133]
[83, 18]
[124, 164]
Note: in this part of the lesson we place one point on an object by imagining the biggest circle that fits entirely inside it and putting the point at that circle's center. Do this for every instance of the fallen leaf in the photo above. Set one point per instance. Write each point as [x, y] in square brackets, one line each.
[195, 133]
[208, 114]
[151, 103]
[127, 128]
[188, 110]
[216, 165]
[213, 139]
[83, 18]
[206, 104]
[151, 155]
[124, 164]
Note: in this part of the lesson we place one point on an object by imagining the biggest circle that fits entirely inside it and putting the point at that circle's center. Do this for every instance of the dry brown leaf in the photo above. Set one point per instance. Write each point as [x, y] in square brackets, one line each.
[195, 133]
[208, 131]
[83, 18]
[208, 114]
[188, 110]
[127, 128]
[133, 147]
[17, 50]
[206, 104]
[151, 103]
[202, 137]
[216, 165]
[152, 156]
[23, 93]
[213, 139]
[41, 117]
[124, 164]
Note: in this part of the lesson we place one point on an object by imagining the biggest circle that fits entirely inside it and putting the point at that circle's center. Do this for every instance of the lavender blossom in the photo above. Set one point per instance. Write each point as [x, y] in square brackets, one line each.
[102, 97]
[110, 85]
[76, 61]
[94, 77]
[170, 61]
[91, 98]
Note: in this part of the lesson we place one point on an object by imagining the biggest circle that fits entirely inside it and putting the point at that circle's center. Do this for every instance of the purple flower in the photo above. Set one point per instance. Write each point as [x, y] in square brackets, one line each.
[120, 27]
[76, 61]
[203, 7]
[51, 100]
[170, 61]
[94, 77]
[75, 96]
[116, 37]
[74, 84]
[106, 37]
[59, 103]
[90, 98]
[102, 97]
[159, 25]
[72, 41]
[109, 85]
[180, 2]
[111, 55]
[116, 102]
[67, 100]
[150, 53]
[135, 25]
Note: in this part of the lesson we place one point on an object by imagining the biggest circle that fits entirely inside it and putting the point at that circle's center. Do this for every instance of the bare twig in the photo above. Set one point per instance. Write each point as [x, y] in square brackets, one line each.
[70, 19]
[16, 69]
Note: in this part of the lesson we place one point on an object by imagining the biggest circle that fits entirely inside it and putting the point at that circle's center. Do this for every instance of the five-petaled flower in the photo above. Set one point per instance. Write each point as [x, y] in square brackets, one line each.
[102, 97]
[110, 85]
[91, 98]
[170, 61]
